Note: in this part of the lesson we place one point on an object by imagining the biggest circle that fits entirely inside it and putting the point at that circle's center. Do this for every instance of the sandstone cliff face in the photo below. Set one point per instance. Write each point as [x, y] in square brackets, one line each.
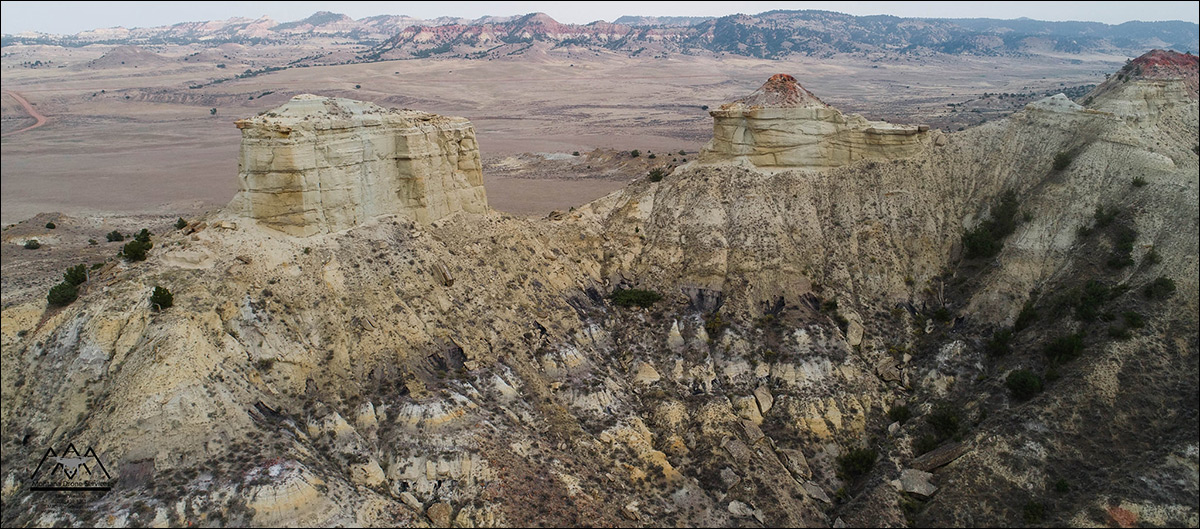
[784, 125]
[320, 164]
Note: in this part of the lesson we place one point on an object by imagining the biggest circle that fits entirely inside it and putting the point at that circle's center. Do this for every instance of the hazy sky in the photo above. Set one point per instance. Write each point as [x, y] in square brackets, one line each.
[73, 17]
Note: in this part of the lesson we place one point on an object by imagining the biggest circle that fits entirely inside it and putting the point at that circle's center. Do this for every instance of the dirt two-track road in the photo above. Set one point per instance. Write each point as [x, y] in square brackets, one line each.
[39, 119]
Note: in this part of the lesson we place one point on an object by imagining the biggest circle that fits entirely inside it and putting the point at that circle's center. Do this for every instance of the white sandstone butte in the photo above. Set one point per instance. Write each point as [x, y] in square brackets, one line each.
[324, 164]
[783, 125]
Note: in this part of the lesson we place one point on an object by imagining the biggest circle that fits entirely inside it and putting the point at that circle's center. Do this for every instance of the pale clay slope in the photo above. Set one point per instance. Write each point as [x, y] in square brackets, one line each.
[349, 305]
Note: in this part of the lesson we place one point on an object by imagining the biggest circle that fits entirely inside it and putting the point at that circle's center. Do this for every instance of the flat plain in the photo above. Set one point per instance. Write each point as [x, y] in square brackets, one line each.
[150, 130]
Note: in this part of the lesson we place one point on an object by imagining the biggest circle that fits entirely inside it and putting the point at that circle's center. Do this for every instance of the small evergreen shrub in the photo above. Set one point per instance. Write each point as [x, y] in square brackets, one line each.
[136, 250]
[925, 444]
[986, 240]
[1062, 160]
[161, 299]
[1000, 344]
[1034, 512]
[62, 294]
[181, 224]
[1138, 181]
[1152, 257]
[32, 244]
[1105, 215]
[635, 298]
[899, 413]
[635, 153]
[50, 226]
[657, 174]
[114, 236]
[945, 419]
[76, 275]
[1027, 316]
[1133, 320]
[1023, 384]
[1065, 348]
[1161, 288]
[1122, 253]
[1091, 300]
[714, 325]
[856, 462]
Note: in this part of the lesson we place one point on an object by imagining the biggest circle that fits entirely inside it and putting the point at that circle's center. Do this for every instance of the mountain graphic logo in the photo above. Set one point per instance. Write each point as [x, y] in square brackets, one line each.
[59, 470]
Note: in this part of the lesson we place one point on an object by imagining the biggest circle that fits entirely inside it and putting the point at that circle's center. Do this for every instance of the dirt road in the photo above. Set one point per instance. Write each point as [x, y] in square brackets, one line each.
[39, 119]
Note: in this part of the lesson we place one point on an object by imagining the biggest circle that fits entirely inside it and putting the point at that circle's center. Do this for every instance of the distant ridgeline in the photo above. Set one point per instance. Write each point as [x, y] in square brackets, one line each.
[772, 34]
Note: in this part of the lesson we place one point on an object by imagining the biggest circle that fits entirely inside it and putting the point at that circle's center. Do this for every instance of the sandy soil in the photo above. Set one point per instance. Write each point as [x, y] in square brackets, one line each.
[135, 138]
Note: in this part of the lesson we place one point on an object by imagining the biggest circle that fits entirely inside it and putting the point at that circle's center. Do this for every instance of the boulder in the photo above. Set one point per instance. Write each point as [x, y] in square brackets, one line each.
[796, 463]
[916, 482]
[938, 457]
[764, 398]
[439, 513]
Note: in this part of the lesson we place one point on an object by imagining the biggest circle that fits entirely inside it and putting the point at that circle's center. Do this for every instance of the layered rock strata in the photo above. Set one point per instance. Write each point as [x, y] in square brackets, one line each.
[323, 164]
[783, 125]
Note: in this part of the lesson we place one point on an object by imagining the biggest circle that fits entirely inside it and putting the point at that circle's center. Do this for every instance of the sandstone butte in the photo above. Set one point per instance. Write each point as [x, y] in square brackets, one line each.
[783, 125]
[323, 164]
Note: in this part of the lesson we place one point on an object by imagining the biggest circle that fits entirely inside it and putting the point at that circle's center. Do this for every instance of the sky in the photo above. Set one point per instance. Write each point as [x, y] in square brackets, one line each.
[73, 17]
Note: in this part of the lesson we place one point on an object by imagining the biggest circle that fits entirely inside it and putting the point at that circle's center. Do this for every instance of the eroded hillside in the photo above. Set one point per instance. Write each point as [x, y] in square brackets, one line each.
[830, 345]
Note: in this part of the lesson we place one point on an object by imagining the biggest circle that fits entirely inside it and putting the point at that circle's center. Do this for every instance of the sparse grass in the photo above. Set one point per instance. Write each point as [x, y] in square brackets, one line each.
[1138, 181]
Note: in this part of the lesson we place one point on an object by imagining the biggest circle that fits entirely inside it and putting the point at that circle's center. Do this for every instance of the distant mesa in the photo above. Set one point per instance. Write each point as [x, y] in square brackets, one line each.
[784, 125]
[324, 164]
